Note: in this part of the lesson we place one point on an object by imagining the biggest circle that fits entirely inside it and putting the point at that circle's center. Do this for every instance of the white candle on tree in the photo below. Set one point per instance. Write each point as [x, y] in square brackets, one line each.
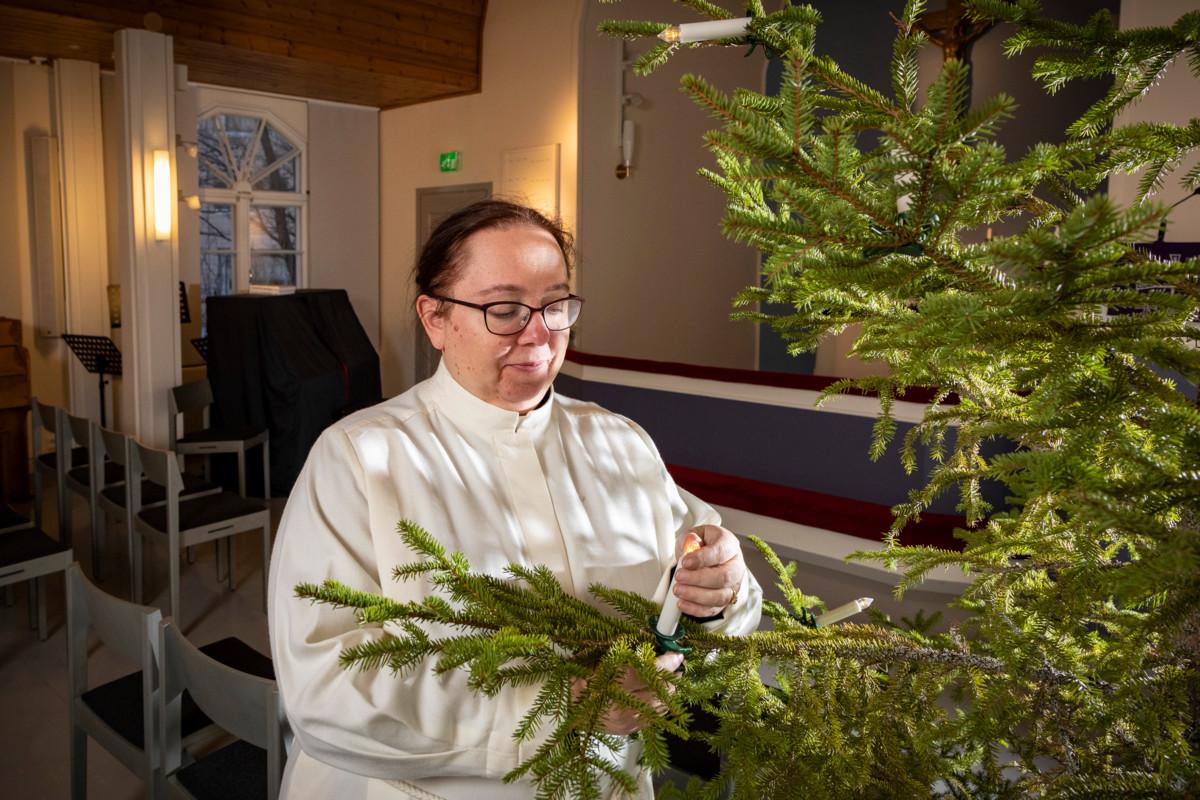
[705, 31]
[842, 612]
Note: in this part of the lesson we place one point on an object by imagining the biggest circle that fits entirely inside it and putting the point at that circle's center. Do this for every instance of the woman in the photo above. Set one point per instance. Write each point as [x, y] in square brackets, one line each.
[490, 460]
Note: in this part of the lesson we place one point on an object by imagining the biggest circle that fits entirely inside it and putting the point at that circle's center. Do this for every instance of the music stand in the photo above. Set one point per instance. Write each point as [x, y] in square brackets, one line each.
[98, 354]
[185, 311]
[201, 345]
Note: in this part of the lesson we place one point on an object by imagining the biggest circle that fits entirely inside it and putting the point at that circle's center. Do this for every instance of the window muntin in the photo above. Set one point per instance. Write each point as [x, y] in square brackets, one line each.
[252, 203]
[217, 254]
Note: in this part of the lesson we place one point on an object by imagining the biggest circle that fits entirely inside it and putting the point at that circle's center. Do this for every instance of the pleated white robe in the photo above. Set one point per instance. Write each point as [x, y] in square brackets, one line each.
[568, 485]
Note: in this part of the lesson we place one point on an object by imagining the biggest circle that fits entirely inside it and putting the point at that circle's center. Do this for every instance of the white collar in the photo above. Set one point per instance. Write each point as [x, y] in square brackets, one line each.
[472, 413]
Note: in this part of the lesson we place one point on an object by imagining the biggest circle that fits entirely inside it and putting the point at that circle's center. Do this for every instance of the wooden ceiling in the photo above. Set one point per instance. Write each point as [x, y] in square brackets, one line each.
[383, 53]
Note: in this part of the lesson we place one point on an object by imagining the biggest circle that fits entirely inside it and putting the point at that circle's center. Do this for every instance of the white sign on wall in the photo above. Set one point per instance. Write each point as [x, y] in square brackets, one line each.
[530, 175]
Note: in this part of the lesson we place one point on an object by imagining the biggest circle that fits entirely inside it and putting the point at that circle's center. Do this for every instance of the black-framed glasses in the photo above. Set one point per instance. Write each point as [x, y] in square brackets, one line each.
[507, 317]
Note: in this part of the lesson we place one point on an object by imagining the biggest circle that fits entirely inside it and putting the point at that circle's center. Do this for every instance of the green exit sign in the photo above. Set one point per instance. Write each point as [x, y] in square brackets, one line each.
[448, 162]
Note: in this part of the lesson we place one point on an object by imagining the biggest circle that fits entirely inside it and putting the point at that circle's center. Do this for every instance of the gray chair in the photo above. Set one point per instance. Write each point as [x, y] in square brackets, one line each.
[88, 480]
[198, 396]
[48, 419]
[114, 499]
[187, 523]
[245, 705]
[28, 554]
[122, 714]
[117, 714]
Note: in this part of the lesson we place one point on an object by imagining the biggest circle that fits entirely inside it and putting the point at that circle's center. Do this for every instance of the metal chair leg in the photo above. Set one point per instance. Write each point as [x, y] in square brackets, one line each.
[78, 763]
[231, 545]
[34, 586]
[136, 571]
[41, 608]
[37, 497]
[64, 516]
[266, 544]
[173, 570]
[98, 536]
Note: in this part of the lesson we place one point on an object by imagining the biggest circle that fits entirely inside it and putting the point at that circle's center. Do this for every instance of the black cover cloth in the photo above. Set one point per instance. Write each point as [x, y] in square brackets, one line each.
[292, 364]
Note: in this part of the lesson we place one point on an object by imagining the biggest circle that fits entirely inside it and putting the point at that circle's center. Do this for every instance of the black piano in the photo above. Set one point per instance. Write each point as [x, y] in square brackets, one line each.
[292, 363]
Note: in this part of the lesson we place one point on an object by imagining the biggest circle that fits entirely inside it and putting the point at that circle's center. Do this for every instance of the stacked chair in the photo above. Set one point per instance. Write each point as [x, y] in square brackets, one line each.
[28, 554]
[48, 419]
[240, 702]
[116, 499]
[140, 486]
[193, 722]
[198, 397]
[147, 720]
[190, 522]
[86, 480]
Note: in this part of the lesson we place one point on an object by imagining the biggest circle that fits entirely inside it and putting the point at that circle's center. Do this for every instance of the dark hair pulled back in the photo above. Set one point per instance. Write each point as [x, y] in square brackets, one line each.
[441, 257]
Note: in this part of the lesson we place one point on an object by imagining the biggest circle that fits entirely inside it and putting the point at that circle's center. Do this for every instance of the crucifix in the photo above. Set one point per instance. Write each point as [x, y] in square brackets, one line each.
[952, 30]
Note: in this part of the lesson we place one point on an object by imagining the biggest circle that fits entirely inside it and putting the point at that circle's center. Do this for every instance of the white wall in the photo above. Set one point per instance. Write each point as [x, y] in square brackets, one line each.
[528, 98]
[343, 206]
[658, 275]
[1175, 99]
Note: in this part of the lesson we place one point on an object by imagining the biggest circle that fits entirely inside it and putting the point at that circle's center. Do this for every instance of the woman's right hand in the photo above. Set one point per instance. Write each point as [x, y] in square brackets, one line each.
[624, 721]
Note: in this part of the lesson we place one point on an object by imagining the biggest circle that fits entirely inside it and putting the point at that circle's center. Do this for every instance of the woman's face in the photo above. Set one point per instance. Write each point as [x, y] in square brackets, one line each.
[521, 263]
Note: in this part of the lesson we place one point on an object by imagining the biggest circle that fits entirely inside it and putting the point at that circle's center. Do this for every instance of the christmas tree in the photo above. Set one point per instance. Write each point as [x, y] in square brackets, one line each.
[1075, 674]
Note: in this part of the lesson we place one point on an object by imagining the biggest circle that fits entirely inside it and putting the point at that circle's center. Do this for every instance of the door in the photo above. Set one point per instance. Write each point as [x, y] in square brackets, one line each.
[433, 206]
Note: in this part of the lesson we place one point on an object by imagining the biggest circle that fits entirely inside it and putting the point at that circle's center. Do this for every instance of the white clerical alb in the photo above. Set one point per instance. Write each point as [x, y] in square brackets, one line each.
[568, 485]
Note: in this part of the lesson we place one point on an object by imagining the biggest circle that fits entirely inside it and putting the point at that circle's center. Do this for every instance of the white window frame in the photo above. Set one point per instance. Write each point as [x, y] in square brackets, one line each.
[242, 200]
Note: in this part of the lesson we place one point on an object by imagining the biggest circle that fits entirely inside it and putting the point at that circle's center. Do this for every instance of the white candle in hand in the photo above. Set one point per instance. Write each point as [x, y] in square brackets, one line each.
[842, 612]
[668, 618]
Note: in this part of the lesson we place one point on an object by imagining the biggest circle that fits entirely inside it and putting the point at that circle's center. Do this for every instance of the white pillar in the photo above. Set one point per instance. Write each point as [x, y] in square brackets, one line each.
[150, 268]
[85, 236]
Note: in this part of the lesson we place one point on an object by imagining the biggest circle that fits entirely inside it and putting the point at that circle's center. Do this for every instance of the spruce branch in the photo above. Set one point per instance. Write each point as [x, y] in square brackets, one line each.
[1074, 670]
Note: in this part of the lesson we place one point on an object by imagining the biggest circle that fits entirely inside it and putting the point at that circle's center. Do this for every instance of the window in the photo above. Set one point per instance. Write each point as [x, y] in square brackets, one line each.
[252, 204]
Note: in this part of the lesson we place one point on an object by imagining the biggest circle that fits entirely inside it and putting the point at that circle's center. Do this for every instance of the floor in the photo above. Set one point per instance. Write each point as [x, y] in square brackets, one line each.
[33, 674]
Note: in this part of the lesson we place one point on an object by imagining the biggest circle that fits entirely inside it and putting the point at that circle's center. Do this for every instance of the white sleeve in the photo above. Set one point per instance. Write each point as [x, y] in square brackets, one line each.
[743, 616]
[369, 722]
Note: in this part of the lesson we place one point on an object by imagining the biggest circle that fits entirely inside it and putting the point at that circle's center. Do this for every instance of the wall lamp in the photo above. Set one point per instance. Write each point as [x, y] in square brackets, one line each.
[163, 198]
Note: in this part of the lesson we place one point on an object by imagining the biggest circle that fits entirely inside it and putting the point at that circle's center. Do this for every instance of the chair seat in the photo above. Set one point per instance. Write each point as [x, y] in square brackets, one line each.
[215, 435]
[153, 494]
[79, 458]
[26, 544]
[237, 771]
[203, 511]
[10, 518]
[233, 652]
[113, 473]
[119, 702]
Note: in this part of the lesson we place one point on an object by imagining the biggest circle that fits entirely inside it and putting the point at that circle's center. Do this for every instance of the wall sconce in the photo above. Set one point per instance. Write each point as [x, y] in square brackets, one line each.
[625, 129]
[191, 148]
[114, 306]
[162, 195]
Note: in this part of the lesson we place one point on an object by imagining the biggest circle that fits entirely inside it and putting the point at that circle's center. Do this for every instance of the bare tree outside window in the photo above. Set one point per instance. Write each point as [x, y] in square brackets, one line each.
[249, 226]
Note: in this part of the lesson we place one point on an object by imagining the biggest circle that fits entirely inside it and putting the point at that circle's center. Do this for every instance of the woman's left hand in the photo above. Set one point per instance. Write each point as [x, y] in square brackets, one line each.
[709, 579]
